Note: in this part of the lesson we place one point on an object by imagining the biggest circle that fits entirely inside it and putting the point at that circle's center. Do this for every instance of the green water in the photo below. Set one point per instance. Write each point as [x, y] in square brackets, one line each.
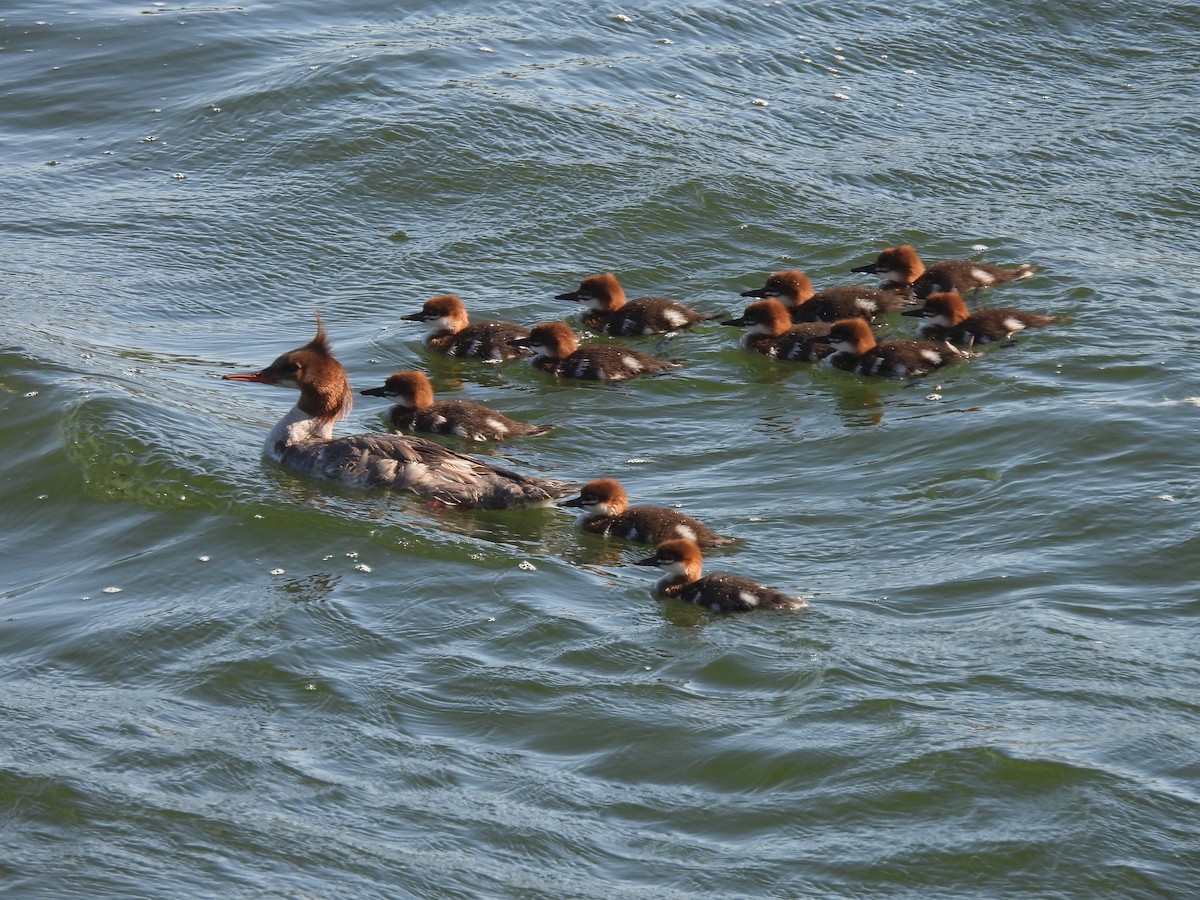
[221, 679]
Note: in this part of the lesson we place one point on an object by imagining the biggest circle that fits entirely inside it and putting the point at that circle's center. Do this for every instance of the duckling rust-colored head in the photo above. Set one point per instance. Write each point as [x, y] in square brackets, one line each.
[602, 293]
[791, 286]
[550, 340]
[851, 336]
[943, 308]
[602, 496]
[411, 389]
[769, 317]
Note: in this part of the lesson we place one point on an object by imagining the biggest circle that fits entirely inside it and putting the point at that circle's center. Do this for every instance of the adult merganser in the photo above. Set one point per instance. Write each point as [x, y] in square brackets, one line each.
[855, 351]
[683, 562]
[452, 333]
[303, 440]
[608, 312]
[606, 511]
[556, 350]
[945, 317]
[415, 410]
[845, 301]
[769, 331]
[902, 266]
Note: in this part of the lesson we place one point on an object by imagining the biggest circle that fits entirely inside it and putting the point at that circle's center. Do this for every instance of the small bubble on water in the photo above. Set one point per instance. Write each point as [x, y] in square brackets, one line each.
[665, 41]
[310, 687]
[112, 590]
[352, 554]
[527, 566]
[362, 567]
[759, 101]
[1167, 497]
[30, 394]
[486, 50]
[635, 461]
[621, 17]
[278, 571]
[179, 176]
[43, 496]
[933, 397]
[979, 248]
[204, 558]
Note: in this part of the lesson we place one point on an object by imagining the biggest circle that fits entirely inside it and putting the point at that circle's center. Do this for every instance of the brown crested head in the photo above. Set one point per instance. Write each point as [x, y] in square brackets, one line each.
[552, 339]
[313, 370]
[851, 335]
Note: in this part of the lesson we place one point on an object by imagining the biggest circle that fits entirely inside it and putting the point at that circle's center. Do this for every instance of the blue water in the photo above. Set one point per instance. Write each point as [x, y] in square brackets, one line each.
[223, 679]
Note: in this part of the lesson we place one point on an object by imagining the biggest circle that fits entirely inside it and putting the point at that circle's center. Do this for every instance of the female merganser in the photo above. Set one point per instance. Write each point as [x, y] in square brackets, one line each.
[415, 410]
[945, 318]
[303, 440]
[855, 351]
[606, 511]
[556, 350]
[846, 301]
[608, 312]
[769, 331]
[682, 561]
[901, 266]
[450, 331]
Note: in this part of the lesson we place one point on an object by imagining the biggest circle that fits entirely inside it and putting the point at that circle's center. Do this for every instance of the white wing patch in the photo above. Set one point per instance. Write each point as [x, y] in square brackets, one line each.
[982, 277]
[675, 318]
[932, 356]
[685, 531]
[632, 363]
[748, 597]
[869, 306]
[1012, 326]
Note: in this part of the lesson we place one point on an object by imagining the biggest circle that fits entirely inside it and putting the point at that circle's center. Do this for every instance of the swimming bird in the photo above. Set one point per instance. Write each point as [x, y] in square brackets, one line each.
[902, 266]
[770, 331]
[793, 288]
[856, 351]
[608, 312]
[303, 440]
[606, 511]
[452, 333]
[945, 317]
[415, 410]
[683, 562]
[557, 351]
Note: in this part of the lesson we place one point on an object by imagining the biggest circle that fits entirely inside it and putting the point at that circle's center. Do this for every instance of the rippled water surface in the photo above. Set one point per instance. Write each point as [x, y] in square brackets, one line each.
[222, 679]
